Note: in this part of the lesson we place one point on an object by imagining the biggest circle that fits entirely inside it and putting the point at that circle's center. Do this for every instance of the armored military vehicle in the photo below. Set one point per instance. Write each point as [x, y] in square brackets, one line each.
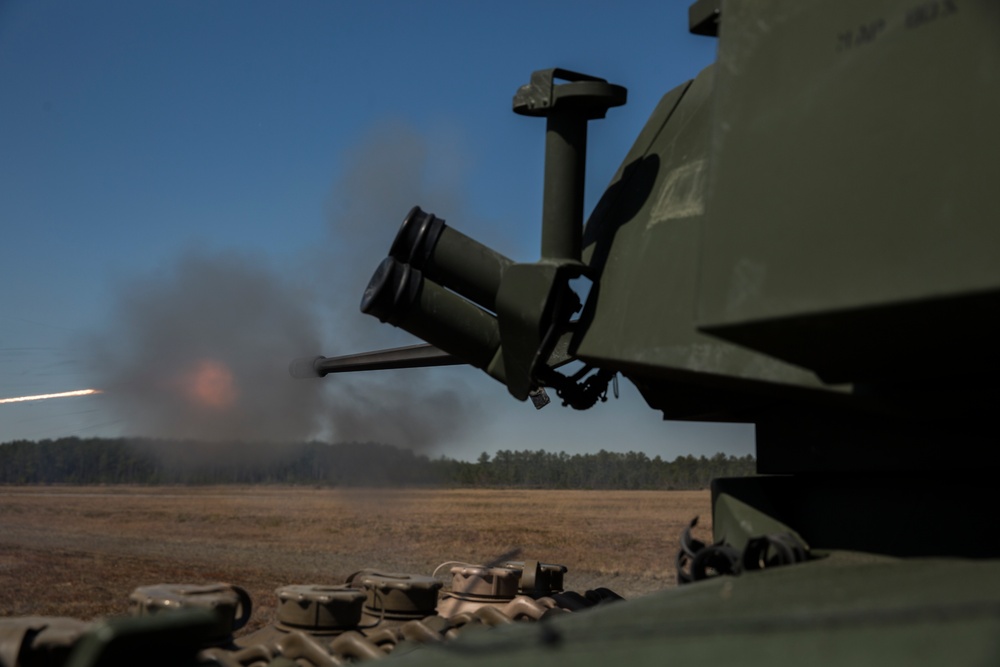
[806, 236]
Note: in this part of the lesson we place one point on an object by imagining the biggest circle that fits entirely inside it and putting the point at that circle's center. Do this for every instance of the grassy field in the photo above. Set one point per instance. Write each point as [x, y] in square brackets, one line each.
[79, 551]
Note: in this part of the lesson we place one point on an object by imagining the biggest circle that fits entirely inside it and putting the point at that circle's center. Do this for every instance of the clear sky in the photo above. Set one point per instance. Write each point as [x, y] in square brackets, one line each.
[194, 192]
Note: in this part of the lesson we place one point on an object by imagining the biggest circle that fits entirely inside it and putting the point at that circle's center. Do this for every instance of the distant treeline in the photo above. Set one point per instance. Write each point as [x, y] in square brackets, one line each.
[150, 461]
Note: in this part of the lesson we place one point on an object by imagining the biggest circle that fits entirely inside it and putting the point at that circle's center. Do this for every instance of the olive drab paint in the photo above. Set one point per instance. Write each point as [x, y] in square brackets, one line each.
[805, 236]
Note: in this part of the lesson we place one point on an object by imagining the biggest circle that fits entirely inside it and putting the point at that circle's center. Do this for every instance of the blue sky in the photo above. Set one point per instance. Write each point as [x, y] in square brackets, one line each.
[145, 146]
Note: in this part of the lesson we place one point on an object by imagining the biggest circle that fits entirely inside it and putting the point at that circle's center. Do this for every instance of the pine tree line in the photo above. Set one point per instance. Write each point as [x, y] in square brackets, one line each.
[150, 461]
[603, 470]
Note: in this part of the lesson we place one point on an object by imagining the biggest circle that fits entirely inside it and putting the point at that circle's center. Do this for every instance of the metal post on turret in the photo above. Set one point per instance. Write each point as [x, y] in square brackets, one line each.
[567, 108]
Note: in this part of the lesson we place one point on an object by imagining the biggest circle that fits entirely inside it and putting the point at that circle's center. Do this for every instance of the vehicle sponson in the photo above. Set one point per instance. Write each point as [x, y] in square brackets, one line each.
[847, 608]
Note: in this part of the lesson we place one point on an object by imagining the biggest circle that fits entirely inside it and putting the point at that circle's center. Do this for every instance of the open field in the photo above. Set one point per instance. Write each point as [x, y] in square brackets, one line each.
[79, 551]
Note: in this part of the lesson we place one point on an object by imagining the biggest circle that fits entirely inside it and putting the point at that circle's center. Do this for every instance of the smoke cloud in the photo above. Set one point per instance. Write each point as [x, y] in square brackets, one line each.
[202, 351]
[389, 171]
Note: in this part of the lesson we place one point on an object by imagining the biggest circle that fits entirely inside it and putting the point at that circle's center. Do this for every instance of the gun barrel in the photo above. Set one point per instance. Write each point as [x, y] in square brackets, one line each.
[411, 356]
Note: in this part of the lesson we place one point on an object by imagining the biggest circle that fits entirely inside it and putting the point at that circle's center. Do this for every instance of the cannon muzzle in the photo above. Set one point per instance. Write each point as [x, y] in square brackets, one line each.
[411, 356]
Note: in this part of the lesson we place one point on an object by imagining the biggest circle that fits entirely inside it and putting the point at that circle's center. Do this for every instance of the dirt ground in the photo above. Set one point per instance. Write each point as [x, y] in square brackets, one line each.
[79, 551]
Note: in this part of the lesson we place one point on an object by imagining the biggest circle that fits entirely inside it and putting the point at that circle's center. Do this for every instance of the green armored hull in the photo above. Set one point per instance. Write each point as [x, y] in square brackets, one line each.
[806, 236]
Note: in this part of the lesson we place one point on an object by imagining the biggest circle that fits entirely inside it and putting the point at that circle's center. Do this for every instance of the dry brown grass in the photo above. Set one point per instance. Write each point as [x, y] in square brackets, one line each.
[79, 551]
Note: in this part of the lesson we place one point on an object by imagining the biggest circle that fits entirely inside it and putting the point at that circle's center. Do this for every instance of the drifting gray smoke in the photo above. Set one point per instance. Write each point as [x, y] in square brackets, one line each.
[202, 352]
[388, 172]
